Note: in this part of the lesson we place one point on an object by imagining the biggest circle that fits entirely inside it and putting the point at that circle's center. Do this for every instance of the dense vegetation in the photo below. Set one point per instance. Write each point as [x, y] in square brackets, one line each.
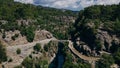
[28, 32]
[34, 63]
[91, 18]
[71, 62]
[116, 56]
[54, 20]
[102, 18]
[105, 62]
[37, 47]
[98, 14]
[11, 10]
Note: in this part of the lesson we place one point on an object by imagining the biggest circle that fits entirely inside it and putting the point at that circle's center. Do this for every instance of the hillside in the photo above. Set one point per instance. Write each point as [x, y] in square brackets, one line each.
[96, 32]
[16, 16]
[25, 28]
[41, 37]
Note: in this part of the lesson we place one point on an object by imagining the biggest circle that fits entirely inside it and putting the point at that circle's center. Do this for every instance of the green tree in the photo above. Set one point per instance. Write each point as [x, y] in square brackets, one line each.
[30, 33]
[3, 56]
[28, 62]
[92, 12]
[117, 56]
[105, 62]
[15, 36]
[19, 66]
[18, 51]
[98, 45]
[4, 35]
[19, 12]
[117, 26]
[83, 65]
[42, 64]
[37, 47]
[107, 13]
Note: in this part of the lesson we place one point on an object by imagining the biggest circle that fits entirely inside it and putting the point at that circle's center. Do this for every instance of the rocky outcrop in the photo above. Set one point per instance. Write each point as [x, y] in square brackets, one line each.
[42, 34]
[25, 22]
[82, 47]
[104, 37]
[19, 40]
[67, 19]
[3, 21]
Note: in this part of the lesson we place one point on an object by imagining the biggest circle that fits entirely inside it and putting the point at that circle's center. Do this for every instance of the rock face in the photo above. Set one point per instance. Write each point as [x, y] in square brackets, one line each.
[104, 38]
[107, 39]
[82, 47]
[42, 34]
[19, 40]
[25, 22]
[39, 35]
[52, 50]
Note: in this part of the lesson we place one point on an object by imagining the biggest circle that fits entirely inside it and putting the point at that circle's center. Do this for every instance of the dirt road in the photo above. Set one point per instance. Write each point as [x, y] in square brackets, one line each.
[26, 49]
[91, 60]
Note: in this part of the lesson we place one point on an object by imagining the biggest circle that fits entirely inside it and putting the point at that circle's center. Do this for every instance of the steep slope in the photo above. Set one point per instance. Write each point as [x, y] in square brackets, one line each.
[97, 31]
[17, 16]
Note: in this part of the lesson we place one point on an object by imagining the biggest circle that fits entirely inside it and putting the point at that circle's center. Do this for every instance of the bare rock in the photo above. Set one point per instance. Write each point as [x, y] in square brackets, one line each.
[104, 38]
[87, 48]
[19, 40]
[116, 40]
[42, 34]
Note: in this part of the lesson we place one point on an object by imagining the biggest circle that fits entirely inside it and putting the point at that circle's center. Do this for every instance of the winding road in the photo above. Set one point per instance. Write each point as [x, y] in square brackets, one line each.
[80, 55]
[26, 49]
[91, 60]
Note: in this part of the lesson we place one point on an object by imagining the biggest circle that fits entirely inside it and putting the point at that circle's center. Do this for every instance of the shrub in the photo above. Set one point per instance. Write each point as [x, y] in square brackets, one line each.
[27, 62]
[41, 64]
[19, 66]
[15, 36]
[28, 32]
[105, 61]
[98, 45]
[3, 56]
[46, 47]
[117, 27]
[117, 56]
[37, 47]
[18, 51]
[4, 35]
[10, 60]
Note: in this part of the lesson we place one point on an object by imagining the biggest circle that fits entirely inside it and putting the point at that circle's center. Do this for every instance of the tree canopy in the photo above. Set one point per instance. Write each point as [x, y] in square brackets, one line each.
[3, 56]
